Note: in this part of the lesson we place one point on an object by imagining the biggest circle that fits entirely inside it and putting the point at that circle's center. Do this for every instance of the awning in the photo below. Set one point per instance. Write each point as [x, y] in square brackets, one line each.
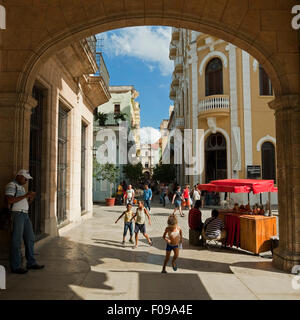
[239, 186]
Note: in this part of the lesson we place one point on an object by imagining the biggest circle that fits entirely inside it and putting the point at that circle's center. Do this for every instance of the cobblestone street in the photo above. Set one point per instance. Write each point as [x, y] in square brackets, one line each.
[89, 262]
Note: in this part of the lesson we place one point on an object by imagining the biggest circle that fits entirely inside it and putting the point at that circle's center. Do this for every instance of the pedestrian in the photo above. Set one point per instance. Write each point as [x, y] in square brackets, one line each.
[120, 193]
[186, 196]
[177, 198]
[164, 194]
[195, 217]
[147, 197]
[202, 198]
[130, 195]
[174, 239]
[128, 224]
[140, 215]
[196, 194]
[18, 202]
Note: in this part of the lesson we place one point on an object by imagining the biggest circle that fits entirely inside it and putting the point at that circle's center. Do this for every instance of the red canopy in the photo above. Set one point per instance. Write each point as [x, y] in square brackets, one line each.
[239, 186]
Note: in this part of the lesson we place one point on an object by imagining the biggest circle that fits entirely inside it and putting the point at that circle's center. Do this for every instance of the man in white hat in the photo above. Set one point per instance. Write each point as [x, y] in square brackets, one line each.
[18, 202]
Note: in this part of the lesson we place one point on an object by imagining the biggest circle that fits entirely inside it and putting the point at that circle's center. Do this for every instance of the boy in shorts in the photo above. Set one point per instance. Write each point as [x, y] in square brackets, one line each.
[173, 237]
[128, 214]
[140, 215]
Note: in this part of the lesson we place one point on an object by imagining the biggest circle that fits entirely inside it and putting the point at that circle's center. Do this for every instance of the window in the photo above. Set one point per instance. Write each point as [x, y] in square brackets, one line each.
[146, 165]
[265, 85]
[214, 77]
[268, 161]
[117, 108]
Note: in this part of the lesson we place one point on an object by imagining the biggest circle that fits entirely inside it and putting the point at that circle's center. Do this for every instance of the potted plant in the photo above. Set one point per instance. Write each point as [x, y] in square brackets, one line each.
[120, 116]
[101, 118]
[107, 172]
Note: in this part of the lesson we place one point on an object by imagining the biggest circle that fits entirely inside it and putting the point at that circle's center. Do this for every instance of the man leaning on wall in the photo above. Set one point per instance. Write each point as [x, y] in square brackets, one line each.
[18, 203]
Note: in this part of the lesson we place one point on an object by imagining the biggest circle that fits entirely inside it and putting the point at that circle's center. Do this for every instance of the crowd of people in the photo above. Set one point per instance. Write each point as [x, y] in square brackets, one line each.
[182, 198]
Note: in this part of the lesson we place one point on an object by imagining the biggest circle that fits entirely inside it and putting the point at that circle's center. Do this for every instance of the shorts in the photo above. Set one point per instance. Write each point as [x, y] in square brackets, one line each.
[140, 227]
[170, 247]
[177, 203]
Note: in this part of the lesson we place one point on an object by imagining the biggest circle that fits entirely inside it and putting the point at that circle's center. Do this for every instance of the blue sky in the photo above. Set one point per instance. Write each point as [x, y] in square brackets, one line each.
[139, 56]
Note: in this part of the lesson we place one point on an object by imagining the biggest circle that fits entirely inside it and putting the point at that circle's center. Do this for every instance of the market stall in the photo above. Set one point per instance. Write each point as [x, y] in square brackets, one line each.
[249, 229]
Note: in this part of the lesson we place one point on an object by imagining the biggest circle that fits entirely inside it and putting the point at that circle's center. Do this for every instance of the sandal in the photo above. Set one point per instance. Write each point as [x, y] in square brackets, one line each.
[174, 267]
[151, 244]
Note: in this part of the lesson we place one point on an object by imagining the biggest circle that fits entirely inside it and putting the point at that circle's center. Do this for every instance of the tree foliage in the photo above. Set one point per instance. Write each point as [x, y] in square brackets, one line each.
[164, 173]
[133, 172]
[106, 172]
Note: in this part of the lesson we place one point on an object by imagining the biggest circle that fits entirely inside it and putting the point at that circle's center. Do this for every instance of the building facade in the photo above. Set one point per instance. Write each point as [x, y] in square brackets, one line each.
[122, 103]
[60, 138]
[221, 89]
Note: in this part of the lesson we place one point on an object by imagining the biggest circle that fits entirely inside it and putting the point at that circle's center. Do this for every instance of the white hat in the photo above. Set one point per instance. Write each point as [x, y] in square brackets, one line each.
[24, 173]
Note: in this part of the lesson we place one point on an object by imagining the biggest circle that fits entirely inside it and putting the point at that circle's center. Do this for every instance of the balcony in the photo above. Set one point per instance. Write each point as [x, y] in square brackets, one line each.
[217, 105]
[102, 71]
[175, 34]
[173, 52]
[179, 122]
[178, 64]
[172, 93]
[175, 81]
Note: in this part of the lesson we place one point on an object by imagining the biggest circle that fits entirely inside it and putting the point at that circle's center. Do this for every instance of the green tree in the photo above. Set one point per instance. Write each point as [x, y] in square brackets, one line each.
[164, 172]
[101, 118]
[133, 172]
[106, 172]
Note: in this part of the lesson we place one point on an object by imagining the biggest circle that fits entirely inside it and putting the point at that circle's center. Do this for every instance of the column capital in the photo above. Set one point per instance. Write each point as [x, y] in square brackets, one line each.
[18, 100]
[291, 101]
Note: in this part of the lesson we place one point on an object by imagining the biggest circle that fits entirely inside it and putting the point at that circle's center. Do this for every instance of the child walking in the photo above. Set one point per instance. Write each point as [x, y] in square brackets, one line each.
[173, 237]
[128, 214]
[140, 215]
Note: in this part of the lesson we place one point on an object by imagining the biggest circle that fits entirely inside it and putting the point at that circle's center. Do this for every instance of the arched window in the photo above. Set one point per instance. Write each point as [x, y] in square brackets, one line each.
[265, 85]
[214, 77]
[268, 161]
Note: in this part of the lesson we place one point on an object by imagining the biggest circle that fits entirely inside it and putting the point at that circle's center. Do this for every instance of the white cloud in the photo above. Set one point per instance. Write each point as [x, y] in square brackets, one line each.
[150, 44]
[149, 135]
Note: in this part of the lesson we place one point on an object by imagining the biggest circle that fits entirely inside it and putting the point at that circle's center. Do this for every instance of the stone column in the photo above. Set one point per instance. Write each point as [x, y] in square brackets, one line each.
[15, 111]
[287, 114]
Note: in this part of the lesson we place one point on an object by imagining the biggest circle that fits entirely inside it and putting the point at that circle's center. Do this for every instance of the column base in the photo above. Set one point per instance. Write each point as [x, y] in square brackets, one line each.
[285, 260]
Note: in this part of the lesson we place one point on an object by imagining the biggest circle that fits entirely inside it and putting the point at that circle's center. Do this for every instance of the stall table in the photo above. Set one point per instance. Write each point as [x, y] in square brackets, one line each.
[255, 231]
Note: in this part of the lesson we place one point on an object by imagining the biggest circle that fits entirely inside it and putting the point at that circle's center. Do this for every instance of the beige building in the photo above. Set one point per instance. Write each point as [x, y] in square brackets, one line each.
[223, 90]
[61, 136]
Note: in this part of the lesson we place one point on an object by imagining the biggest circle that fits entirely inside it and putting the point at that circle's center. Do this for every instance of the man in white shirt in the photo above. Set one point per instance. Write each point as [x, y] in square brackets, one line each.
[129, 195]
[18, 202]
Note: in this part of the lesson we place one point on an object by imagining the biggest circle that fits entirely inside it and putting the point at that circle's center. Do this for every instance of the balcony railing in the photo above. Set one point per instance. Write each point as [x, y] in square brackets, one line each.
[92, 43]
[214, 103]
[102, 72]
[179, 122]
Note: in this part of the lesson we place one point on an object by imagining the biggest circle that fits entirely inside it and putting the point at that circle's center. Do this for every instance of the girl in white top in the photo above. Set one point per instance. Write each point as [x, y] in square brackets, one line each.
[130, 195]
[140, 215]
[196, 194]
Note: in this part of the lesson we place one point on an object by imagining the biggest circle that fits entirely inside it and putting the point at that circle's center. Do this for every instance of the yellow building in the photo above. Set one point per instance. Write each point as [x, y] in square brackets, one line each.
[221, 89]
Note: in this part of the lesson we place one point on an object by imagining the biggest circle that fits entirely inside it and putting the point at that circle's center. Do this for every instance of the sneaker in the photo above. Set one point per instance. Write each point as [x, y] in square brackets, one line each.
[36, 267]
[19, 271]
[131, 241]
[174, 267]
[164, 271]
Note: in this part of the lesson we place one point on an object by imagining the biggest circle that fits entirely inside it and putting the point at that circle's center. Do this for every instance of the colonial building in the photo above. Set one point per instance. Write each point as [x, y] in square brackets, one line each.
[60, 140]
[121, 106]
[150, 154]
[223, 90]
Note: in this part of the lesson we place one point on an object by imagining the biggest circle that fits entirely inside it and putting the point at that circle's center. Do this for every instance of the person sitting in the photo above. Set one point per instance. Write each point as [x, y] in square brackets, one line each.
[214, 228]
[195, 217]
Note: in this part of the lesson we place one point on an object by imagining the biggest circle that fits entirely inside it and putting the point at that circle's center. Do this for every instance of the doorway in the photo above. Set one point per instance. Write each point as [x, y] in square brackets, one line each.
[215, 157]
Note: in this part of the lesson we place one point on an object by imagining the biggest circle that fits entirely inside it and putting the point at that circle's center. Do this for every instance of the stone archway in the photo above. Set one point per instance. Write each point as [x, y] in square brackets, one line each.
[262, 28]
